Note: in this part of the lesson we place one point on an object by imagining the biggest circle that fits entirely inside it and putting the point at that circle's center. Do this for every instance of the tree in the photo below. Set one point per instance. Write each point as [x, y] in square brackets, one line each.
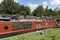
[57, 10]
[10, 7]
[25, 10]
[39, 11]
[46, 11]
[49, 12]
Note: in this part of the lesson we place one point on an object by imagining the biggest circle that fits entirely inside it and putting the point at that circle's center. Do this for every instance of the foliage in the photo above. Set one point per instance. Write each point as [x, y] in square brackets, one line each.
[38, 11]
[11, 7]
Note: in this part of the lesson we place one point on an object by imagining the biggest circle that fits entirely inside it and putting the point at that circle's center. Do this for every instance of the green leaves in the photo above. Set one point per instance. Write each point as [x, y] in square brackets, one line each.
[10, 7]
[38, 11]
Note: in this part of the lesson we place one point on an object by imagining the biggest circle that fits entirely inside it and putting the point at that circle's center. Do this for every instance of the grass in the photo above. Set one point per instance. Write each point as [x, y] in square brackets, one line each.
[48, 34]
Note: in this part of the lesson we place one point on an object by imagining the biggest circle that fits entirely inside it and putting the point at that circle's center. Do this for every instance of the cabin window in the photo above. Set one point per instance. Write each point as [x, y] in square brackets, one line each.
[21, 25]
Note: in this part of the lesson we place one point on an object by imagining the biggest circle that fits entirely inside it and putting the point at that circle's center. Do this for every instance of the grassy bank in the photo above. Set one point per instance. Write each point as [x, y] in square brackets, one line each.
[48, 34]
